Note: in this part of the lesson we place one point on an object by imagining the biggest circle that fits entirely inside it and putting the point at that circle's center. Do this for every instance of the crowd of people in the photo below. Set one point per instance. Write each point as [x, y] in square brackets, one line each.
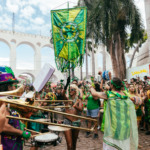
[120, 107]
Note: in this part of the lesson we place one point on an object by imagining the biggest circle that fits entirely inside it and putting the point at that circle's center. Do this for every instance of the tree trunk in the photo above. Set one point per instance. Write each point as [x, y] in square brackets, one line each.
[86, 61]
[113, 58]
[117, 57]
[132, 58]
[93, 59]
[121, 63]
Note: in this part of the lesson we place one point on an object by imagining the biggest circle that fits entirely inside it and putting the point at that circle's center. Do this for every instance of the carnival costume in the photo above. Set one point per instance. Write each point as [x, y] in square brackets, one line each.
[120, 132]
[10, 141]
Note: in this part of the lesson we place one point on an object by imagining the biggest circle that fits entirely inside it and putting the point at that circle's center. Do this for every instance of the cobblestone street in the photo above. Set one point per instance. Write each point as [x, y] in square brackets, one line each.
[84, 143]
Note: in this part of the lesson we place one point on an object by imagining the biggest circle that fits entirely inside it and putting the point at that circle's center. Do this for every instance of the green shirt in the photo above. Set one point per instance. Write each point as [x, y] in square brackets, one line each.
[92, 103]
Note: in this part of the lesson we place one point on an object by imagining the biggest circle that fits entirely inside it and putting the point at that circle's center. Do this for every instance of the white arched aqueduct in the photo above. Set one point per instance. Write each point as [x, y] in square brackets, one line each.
[37, 42]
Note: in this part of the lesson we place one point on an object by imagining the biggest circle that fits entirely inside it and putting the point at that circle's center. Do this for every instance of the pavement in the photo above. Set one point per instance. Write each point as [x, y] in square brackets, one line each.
[84, 143]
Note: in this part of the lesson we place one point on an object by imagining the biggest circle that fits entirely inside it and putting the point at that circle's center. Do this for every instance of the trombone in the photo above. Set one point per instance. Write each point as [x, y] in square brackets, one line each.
[50, 123]
[24, 105]
[47, 110]
[52, 111]
[53, 101]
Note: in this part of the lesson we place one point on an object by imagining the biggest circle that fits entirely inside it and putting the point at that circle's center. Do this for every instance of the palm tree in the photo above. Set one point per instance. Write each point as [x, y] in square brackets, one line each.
[108, 21]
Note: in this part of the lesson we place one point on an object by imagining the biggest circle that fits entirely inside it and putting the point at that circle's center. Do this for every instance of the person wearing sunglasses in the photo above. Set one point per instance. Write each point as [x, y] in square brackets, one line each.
[75, 108]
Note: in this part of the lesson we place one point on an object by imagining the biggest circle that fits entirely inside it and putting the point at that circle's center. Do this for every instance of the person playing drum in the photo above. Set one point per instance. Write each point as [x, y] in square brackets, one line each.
[76, 109]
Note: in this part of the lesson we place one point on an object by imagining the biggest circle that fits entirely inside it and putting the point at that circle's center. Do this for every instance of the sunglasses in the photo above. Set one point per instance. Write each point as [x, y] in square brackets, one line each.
[72, 89]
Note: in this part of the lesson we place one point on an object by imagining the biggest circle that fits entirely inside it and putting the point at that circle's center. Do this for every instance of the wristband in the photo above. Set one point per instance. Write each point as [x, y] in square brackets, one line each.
[26, 135]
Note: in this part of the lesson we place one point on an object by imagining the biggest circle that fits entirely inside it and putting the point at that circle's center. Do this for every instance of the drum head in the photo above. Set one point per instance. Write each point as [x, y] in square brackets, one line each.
[42, 120]
[57, 128]
[58, 109]
[49, 137]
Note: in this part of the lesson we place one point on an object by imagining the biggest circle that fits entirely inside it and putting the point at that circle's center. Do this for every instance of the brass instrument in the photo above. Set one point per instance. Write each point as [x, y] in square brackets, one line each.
[51, 107]
[50, 123]
[17, 92]
[53, 101]
[21, 105]
[25, 109]
[47, 110]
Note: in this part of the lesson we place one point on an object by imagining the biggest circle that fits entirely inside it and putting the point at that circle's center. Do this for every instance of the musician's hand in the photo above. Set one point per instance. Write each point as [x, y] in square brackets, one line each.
[26, 135]
[2, 116]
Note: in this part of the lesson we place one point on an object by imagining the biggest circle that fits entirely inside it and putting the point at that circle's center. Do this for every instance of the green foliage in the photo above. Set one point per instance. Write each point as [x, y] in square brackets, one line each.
[129, 44]
[107, 18]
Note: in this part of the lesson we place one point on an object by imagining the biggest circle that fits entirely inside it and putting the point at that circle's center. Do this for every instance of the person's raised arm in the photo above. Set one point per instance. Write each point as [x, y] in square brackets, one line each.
[101, 85]
[101, 95]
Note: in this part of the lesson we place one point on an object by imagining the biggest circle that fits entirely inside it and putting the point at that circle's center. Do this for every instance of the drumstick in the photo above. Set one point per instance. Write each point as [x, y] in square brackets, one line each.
[40, 134]
[32, 131]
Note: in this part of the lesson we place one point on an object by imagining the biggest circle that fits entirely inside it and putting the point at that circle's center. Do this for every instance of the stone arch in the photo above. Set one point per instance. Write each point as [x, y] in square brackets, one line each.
[6, 42]
[47, 45]
[22, 59]
[13, 41]
[5, 51]
[27, 43]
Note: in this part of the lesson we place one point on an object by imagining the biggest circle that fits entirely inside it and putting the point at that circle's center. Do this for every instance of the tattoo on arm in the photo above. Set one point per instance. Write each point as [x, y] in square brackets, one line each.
[103, 95]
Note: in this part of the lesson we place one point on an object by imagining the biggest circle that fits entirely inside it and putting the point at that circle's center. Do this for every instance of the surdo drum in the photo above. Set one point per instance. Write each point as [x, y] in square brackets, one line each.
[44, 139]
[58, 117]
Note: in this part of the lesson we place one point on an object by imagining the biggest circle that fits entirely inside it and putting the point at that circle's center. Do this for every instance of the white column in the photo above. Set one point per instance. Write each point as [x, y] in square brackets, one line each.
[37, 59]
[13, 56]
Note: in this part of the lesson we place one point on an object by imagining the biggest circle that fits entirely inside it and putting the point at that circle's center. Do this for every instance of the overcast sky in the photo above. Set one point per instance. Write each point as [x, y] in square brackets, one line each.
[33, 16]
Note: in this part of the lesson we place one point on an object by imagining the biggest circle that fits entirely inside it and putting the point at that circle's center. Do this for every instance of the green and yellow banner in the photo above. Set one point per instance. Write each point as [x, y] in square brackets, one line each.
[69, 36]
